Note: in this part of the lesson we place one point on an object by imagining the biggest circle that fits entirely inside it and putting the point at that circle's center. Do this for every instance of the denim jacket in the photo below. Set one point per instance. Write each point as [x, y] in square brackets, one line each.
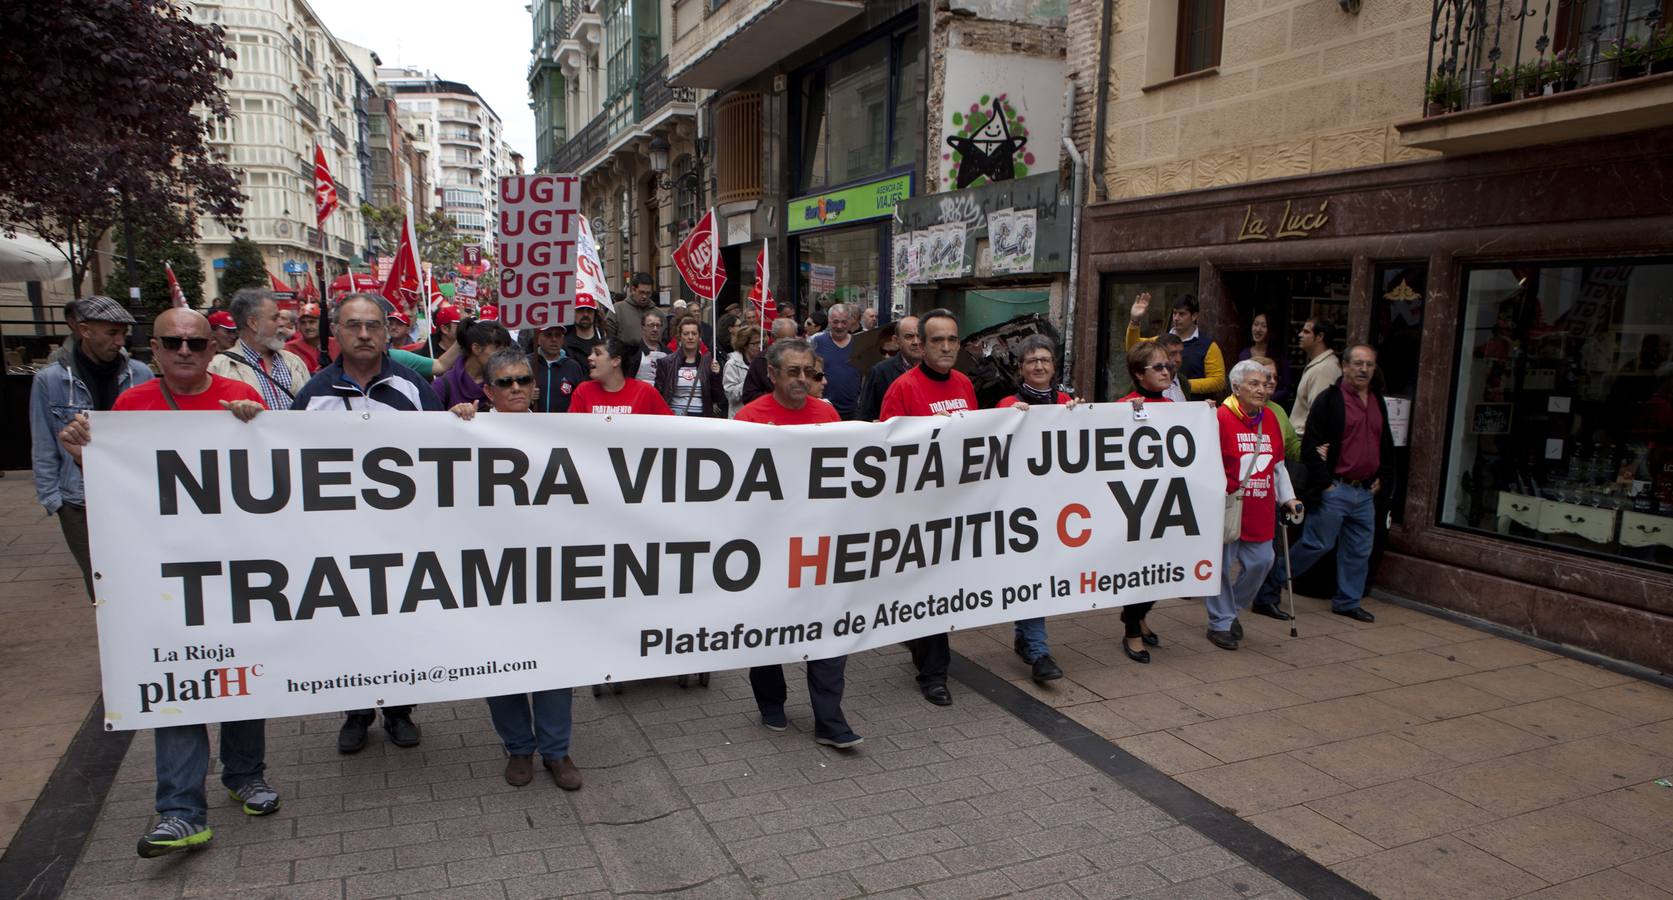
[55, 397]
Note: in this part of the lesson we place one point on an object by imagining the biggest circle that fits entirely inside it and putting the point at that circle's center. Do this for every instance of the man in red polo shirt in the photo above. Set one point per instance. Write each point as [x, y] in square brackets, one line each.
[790, 364]
[933, 388]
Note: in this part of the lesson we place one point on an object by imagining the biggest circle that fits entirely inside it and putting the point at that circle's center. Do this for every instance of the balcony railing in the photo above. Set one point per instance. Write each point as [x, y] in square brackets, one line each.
[655, 92]
[583, 146]
[338, 135]
[307, 109]
[344, 248]
[1483, 52]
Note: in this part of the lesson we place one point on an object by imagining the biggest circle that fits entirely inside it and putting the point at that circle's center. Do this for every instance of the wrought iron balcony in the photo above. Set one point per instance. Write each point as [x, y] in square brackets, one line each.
[655, 92]
[1484, 52]
[307, 109]
[338, 135]
[586, 144]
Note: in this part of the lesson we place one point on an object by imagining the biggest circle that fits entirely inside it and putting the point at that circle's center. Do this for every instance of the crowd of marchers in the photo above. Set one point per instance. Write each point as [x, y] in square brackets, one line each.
[1328, 454]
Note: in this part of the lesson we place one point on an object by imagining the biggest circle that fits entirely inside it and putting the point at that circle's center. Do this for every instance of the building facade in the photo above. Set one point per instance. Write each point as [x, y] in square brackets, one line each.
[1448, 192]
[294, 86]
[460, 135]
[604, 110]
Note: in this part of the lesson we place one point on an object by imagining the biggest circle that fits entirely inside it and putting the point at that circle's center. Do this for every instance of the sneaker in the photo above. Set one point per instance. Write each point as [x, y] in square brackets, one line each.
[172, 835]
[775, 721]
[258, 798]
[842, 741]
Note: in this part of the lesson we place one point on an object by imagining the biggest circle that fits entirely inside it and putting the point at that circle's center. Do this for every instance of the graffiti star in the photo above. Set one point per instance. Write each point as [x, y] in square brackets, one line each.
[989, 150]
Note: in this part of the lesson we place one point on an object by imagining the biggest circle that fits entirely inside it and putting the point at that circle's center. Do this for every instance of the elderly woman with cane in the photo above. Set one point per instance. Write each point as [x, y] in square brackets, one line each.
[1252, 450]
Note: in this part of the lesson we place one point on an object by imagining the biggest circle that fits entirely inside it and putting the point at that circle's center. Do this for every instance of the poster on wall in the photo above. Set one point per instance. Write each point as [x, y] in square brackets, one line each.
[1001, 118]
[1000, 224]
[919, 260]
[898, 253]
[821, 279]
[1025, 226]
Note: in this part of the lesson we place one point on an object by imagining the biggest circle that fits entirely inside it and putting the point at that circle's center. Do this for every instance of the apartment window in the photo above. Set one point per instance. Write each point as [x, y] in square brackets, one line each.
[1198, 47]
[857, 115]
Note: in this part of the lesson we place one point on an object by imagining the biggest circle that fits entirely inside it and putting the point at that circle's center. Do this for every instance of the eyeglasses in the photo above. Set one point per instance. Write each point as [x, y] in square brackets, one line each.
[1038, 361]
[173, 342]
[1162, 367]
[372, 325]
[519, 380]
[818, 376]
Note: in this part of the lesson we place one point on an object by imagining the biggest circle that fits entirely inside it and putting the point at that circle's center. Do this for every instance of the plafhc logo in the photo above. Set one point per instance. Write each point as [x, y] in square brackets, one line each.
[214, 684]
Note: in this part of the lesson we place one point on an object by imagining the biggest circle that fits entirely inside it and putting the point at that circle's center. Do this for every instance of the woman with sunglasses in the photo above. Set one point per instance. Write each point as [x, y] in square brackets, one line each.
[1152, 373]
[539, 720]
[816, 381]
[613, 389]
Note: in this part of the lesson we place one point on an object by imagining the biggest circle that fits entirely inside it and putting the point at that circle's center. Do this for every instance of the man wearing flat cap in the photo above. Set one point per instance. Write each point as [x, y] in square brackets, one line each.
[90, 372]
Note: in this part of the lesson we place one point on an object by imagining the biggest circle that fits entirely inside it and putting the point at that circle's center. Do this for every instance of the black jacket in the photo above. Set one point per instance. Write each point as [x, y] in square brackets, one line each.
[876, 384]
[1324, 426]
[758, 382]
[556, 380]
[711, 394]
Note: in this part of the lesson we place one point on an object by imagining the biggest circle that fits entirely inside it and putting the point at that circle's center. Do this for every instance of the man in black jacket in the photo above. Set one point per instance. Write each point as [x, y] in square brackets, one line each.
[877, 381]
[1349, 454]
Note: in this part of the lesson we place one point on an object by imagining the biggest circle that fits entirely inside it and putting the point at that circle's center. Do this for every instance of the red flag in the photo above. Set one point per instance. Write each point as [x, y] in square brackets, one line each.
[402, 287]
[176, 296]
[325, 189]
[762, 294]
[698, 259]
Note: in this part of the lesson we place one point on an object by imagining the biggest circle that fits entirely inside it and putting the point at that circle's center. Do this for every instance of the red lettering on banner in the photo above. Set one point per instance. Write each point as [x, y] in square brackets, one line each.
[1205, 570]
[1080, 537]
[235, 680]
[819, 560]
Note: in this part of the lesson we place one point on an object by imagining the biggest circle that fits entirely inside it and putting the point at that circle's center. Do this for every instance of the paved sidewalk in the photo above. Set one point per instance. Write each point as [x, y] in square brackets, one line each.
[686, 794]
[1416, 757]
[49, 652]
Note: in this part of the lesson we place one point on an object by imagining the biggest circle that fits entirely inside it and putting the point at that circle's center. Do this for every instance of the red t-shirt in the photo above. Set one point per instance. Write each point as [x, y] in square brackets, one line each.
[634, 397]
[917, 394]
[1012, 400]
[309, 353]
[1239, 439]
[1138, 396]
[766, 410]
[148, 397]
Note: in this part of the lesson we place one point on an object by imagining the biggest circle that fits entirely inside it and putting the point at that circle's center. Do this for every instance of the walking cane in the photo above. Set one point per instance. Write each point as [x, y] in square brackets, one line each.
[1289, 574]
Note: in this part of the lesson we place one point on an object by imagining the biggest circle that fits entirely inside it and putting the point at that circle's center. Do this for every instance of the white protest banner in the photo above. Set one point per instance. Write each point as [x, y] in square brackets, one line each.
[316, 561]
[539, 222]
[590, 289]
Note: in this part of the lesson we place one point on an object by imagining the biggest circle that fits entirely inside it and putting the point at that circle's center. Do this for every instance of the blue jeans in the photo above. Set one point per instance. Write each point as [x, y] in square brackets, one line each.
[1032, 633]
[1346, 519]
[1251, 561]
[183, 763]
[548, 730]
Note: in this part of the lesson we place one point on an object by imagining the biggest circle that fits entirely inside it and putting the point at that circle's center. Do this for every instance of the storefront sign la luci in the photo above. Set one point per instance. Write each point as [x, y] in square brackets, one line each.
[1289, 224]
[873, 200]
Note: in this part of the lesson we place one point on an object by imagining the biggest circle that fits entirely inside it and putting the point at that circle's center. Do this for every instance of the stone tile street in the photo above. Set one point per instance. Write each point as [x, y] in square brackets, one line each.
[1413, 758]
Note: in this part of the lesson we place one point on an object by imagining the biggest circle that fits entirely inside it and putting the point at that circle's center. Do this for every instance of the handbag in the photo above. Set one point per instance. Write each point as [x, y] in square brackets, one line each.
[1233, 529]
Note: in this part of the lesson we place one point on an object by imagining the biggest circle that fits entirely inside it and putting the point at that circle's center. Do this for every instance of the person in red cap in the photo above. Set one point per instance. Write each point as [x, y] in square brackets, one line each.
[305, 342]
[224, 329]
[447, 316]
[490, 313]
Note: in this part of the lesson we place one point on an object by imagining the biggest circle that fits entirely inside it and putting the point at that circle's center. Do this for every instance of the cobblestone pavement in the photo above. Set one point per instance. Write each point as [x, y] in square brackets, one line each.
[685, 794]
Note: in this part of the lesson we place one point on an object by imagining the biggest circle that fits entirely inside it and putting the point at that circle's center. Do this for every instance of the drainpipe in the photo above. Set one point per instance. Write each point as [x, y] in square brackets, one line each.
[1102, 104]
[1078, 186]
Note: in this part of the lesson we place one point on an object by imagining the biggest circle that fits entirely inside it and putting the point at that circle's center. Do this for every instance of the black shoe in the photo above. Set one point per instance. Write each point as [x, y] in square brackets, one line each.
[1271, 612]
[402, 730]
[1357, 614]
[352, 737]
[1021, 647]
[1047, 669]
[1138, 656]
[1222, 639]
[937, 694]
[1150, 639]
[1237, 630]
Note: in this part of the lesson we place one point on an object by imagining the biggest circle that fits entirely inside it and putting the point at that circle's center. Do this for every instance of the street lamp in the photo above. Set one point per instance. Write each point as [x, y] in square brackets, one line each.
[659, 160]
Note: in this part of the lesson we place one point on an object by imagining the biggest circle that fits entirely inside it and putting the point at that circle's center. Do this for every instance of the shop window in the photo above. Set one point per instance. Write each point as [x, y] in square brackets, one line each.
[839, 266]
[1397, 333]
[1198, 44]
[1562, 422]
[1287, 299]
[1118, 293]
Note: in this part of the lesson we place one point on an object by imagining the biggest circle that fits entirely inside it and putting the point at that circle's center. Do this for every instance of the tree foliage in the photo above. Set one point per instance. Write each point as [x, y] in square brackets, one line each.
[439, 243]
[151, 250]
[246, 268]
[106, 101]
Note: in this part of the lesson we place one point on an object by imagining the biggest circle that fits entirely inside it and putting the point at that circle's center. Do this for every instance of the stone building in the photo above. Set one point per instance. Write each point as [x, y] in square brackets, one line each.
[1475, 190]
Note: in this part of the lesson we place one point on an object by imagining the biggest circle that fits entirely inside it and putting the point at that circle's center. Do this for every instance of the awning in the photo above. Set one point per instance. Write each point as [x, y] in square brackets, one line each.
[28, 258]
[762, 38]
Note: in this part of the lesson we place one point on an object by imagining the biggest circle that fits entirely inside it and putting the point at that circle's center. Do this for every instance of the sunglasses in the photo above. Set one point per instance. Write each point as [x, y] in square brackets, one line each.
[194, 344]
[818, 376]
[519, 380]
[1161, 367]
